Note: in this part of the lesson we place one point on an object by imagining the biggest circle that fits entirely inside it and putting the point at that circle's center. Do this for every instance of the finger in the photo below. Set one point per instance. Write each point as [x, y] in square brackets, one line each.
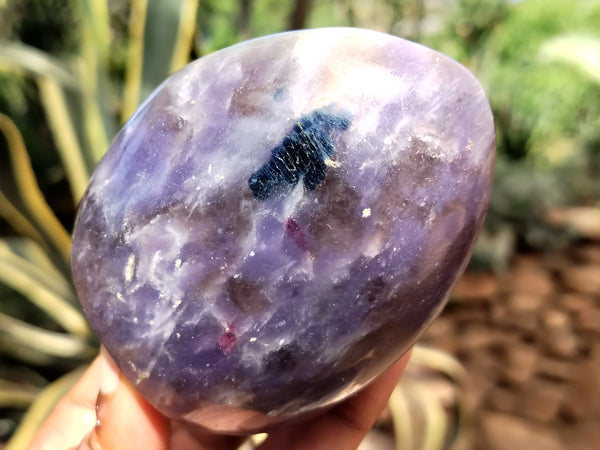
[127, 420]
[73, 416]
[190, 437]
[345, 425]
[124, 418]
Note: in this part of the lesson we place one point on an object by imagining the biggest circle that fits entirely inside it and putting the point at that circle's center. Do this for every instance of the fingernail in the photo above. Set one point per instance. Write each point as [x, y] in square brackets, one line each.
[109, 373]
[109, 384]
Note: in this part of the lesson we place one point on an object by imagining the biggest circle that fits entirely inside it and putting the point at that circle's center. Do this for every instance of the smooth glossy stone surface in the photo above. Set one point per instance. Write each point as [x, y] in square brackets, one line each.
[280, 220]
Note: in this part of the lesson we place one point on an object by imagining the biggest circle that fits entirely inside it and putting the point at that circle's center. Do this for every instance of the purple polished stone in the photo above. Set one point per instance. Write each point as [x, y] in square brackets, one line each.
[280, 221]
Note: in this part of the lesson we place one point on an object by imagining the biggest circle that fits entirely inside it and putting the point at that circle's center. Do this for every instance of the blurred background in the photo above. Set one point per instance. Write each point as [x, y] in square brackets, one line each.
[514, 360]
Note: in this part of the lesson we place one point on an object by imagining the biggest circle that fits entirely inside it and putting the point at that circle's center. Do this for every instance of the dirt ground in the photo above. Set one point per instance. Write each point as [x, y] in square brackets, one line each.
[530, 342]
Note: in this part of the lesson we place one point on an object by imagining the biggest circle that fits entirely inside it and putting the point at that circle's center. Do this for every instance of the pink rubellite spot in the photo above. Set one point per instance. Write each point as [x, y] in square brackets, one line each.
[227, 341]
[280, 221]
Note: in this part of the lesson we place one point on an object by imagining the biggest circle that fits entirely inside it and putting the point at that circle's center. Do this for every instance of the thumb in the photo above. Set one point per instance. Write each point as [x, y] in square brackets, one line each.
[124, 418]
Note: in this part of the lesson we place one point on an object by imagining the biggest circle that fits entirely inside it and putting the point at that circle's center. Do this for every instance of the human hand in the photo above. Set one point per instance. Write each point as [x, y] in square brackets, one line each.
[104, 411]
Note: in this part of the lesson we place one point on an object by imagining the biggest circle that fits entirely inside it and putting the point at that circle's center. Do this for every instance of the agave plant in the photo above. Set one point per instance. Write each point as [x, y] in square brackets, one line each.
[84, 108]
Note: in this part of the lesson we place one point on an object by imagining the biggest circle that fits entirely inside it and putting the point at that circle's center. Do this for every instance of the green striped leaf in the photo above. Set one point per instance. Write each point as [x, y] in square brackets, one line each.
[161, 36]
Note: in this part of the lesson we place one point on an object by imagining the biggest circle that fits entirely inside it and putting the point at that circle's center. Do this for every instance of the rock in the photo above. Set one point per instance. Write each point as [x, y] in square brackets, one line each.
[480, 386]
[520, 361]
[280, 220]
[586, 388]
[498, 313]
[505, 432]
[441, 335]
[469, 314]
[589, 320]
[531, 280]
[555, 369]
[482, 362]
[563, 344]
[595, 353]
[476, 287]
[589, 253]
[584, 220]
[577, 303]
[557, 321]
[584, 435]
[523, 311]
[441, 329]
[519, 303]
[557, 334]
[540, 400]
[477, 336]
[584, 279]
[503, 400]
[527, 322]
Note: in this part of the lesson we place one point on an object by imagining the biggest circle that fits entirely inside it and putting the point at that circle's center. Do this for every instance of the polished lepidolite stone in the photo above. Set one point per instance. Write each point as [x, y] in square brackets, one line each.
[280, 220]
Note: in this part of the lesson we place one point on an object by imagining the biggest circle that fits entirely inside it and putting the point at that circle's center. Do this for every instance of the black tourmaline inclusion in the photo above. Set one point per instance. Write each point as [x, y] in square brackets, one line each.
[301, 154]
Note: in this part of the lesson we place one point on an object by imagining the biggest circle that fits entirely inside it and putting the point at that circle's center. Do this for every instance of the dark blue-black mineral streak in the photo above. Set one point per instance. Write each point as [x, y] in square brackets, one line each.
[301, 155]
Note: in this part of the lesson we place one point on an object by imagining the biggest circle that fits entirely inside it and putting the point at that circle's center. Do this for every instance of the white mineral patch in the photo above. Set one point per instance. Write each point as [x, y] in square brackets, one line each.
[375, 244]
[130, 268]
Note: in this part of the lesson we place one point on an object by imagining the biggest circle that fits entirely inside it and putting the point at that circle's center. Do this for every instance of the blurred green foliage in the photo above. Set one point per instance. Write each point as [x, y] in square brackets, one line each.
[72, 71]
[535, 59]
[538, 103]
[547, 111]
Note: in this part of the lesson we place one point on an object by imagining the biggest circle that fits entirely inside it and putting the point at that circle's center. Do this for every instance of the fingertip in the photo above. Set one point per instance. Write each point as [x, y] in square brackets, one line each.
[124, 418]
[73, 416]
[109, 373]
[345, 425]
